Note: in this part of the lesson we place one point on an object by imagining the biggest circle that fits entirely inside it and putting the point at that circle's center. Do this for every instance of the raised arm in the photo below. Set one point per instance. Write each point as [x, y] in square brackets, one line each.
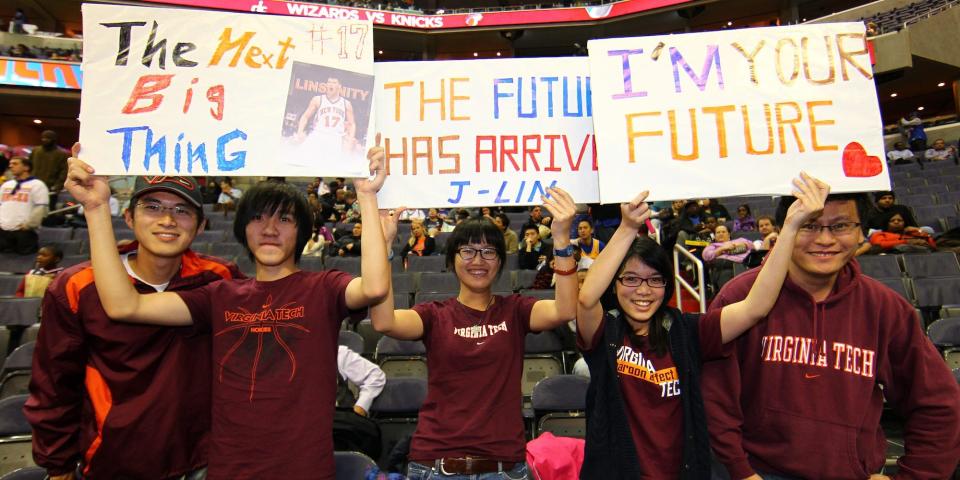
[548, 314]
[738, 317]
[399, 324]
[373, 284]
[604, 268]
[120, 300]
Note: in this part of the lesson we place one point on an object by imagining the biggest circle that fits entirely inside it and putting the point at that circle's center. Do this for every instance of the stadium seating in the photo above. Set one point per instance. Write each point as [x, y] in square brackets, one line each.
[559, 405]
[351, 340]
[351, 465]
[19, 311]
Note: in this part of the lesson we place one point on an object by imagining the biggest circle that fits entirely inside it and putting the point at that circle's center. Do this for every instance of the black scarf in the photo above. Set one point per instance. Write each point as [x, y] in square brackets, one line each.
[20, 182]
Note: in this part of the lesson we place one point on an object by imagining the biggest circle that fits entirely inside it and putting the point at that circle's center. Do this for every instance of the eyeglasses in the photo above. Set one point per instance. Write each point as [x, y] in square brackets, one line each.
[632, 281]
[841, 228]
[467, 253]
[153, 209]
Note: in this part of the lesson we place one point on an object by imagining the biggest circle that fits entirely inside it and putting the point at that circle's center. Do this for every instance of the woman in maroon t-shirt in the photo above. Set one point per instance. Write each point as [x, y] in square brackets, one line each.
[645, 371]
[471, 421]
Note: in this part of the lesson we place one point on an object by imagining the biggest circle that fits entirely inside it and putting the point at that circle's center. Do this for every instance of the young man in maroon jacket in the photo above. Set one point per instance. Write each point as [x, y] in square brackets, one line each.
[802, 395]
[111, 400]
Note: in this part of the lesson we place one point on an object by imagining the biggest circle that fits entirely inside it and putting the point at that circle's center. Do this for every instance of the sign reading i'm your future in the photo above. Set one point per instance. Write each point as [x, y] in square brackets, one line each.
[736, 112]
[195, 92]
[486, 132]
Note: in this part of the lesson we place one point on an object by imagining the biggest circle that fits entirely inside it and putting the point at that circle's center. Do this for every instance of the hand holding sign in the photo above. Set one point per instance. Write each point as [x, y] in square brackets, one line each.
[563, 208]
[92, 191]
[636, 212]
[377, 170]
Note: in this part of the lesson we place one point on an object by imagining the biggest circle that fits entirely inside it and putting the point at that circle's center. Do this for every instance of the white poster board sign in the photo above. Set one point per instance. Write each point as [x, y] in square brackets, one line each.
[485, 132]
[736, 112]
[195, 92]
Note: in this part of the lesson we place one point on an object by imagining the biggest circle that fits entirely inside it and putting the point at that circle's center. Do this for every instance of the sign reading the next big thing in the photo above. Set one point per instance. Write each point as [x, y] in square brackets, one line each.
[485, 132]
[193, 92]
[736, 112]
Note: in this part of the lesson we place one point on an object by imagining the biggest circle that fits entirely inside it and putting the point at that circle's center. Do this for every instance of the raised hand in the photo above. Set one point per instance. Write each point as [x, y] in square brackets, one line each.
[92, 191]
[388, 221]
[377, 157]
[811, 195]
[636, 212]
[563, 208]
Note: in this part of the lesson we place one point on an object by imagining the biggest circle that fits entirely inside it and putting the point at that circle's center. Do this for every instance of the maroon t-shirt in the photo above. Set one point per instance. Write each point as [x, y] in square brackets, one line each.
[275, 368]
[650, 386]
[475, 360]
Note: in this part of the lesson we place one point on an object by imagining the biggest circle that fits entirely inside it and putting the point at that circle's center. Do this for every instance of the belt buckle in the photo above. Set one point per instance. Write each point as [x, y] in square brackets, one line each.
[443, 471]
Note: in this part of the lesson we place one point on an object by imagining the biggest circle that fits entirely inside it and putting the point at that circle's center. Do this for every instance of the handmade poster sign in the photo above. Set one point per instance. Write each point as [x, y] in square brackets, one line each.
[195, 92]
[485, 132]
[736, 112]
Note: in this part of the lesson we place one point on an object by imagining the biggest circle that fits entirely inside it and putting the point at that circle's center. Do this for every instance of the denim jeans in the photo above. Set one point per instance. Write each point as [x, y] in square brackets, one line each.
[417, 471]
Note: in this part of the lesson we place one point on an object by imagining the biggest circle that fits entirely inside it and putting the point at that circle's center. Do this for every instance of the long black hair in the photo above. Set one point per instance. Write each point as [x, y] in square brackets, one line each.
[654, 256]
[476, 230]
[268, 198]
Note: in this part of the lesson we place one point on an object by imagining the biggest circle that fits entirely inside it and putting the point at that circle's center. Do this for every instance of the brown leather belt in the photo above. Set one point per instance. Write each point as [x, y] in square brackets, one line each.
[471, 465]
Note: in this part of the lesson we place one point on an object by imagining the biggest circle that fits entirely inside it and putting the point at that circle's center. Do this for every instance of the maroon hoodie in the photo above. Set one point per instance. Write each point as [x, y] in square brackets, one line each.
[803, 393]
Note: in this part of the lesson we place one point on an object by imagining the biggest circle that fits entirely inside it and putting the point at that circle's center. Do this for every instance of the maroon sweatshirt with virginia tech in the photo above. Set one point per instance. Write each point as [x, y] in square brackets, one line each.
[803, 393]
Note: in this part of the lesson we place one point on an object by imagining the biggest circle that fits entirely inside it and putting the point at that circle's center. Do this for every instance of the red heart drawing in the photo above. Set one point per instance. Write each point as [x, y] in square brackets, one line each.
[856, 162]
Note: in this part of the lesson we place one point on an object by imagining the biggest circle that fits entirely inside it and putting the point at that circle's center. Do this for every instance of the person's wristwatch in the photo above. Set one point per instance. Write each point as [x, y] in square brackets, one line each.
[563, 252]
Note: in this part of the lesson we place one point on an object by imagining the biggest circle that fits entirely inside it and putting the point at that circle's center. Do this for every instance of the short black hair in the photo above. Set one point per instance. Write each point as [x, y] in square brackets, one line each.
[55, 250]
[654, 256]
[476, 230]
[268, 198]
[862, 201]
[530, 226]
[504, 219]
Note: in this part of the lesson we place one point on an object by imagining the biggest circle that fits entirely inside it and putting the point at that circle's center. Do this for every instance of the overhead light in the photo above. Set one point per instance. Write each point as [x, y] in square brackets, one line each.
[919, 109]
[804, 20]
[498, 54]
[475, 54]
[37, 121]
[380, 52]
[729, 24]
[440, 12]
[893, 95]
[941, 84]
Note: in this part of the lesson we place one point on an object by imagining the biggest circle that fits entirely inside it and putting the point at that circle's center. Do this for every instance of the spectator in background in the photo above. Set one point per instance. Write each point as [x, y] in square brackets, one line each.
[885, 205]
[744, 221]
[712, 207]
[940, 152]
[35, 282]
[434, 222]
[691, 225]
[419, 243]
[366, 375]
[722, 254]
[900, 154]
[229, 195]
[502, 221]
[411, 214]
[23, 203]
[606, 219]
[536, 216]
[534, 252]
[16, 24]
[912, 129]
[50, 164]
[349, 245]
[589, 246]
[351, 209]
[872, 29]
[898, 238]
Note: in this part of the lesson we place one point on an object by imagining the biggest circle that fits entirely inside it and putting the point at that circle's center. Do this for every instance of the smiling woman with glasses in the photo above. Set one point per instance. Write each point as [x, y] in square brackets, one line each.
[645, 413]
[471, 423]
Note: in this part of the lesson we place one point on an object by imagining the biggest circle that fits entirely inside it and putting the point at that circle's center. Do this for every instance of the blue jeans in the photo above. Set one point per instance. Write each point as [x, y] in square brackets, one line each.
[417, 471]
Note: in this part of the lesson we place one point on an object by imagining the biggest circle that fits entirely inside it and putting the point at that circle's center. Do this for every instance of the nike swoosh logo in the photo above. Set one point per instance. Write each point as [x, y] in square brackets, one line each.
[809, 376]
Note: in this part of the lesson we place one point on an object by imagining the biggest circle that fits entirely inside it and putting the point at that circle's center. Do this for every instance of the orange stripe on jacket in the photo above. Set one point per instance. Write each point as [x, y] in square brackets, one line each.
[102, 400]
[75, 284]
[194, 265]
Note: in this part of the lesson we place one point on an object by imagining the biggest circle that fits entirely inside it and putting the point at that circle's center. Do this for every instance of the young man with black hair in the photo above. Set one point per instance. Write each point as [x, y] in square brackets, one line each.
[802, 394]
[111, 400]
[274, 337]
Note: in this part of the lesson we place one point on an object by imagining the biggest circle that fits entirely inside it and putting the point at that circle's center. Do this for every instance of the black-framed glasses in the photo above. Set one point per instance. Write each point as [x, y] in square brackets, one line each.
[155, 209]
[840, 228]
[633, 281]
[467, 253]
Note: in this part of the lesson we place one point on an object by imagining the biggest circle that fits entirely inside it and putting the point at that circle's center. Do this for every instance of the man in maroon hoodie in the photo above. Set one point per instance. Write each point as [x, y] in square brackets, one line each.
[111, 400]
[802, 394]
